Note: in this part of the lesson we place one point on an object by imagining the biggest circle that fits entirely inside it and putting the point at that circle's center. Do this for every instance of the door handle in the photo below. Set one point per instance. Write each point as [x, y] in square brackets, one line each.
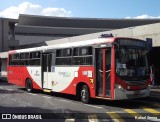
[100, 71]
[108, 70]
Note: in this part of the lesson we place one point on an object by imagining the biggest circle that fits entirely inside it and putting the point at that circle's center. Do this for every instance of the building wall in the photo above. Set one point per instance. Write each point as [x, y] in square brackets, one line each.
[33, 35]
[126, 32]
[140, 32]
[5, 33]
[1, 37]
[28, 40]
[148, 31]
[5, 36]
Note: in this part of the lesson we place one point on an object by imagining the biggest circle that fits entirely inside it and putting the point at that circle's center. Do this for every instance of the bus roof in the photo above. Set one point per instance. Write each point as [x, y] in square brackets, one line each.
[66, 45]
[108, 40]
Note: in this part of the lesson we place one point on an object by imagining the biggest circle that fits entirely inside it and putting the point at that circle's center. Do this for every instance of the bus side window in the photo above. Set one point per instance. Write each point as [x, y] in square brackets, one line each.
[59, 53]
[64, 56]
[34, 58]
[15, 59]
[27, 58]
[67, 52]
[82, 56]
[22, 59]
[75, 52]
[10, 59]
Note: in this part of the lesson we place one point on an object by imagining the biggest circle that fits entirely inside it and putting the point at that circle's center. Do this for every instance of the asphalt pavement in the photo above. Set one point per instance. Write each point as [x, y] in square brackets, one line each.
[16, 101]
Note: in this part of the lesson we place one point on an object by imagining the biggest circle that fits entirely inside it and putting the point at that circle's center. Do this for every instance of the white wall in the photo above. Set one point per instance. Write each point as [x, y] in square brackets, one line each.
[141, 32]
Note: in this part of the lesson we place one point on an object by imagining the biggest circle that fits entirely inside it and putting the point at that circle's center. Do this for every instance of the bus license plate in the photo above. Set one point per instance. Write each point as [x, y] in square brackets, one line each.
[137, 92]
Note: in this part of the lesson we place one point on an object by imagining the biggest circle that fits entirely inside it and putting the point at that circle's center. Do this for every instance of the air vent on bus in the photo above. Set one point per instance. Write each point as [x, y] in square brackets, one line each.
[106, 35]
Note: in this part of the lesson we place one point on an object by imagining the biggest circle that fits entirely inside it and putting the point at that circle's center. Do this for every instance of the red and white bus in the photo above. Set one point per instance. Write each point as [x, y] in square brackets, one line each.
[111, 68]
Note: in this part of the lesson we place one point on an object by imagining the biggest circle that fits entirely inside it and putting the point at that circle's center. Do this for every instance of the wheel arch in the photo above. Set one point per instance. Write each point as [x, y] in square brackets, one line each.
[27, 79]
[29, 85]
[79, 87]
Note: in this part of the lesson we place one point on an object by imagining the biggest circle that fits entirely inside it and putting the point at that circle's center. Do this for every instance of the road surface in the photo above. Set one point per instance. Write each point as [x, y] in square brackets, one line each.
[15, 100]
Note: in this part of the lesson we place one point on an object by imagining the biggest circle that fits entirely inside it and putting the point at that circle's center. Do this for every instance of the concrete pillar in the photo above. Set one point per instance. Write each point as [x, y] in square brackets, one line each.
[4, 68]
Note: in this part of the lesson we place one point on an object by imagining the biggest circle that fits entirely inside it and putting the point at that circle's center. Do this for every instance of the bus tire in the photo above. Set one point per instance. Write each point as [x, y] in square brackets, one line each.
[85, 95]
[29, 85]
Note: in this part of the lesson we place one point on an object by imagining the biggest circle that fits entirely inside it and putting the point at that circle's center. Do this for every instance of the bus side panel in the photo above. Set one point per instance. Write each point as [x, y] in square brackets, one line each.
[13, 72]
[72, 76]
[18, 75]
[35, 74]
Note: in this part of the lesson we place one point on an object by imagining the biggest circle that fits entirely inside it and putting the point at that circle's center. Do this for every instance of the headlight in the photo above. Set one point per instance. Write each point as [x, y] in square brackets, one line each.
[128, 87]
[120, 87]
[149, 86]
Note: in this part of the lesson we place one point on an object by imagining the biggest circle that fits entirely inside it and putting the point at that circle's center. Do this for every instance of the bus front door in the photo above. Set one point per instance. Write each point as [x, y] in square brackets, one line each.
[103, 65]
[46, 69]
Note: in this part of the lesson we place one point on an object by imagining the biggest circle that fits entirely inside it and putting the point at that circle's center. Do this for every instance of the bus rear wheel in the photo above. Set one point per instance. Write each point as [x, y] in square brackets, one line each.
[85, 95]
[29, 85]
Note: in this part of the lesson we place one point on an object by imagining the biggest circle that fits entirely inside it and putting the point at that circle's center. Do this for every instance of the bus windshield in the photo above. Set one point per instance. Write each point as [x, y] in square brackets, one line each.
[131, 64]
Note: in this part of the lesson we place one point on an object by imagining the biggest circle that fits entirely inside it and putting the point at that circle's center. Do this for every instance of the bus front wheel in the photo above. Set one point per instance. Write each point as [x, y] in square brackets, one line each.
[85, 95]
[29, 86]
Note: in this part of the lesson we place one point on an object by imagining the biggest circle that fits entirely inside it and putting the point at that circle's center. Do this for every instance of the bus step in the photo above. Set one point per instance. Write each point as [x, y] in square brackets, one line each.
[46, 90]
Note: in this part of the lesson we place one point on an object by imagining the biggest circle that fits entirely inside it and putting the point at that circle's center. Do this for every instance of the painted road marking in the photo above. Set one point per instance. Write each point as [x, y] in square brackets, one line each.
[93, 106]
[93, 118]
[114, 115]
[151, 110]
[46, 97]
[132, 112]
[32, 94]
[69, 120]
[10, 89]
[65, 100]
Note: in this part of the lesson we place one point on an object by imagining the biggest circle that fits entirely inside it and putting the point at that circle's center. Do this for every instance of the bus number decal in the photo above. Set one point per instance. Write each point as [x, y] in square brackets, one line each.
[87, 73]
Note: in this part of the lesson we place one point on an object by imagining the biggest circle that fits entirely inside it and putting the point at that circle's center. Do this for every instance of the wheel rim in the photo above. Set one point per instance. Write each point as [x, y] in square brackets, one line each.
[28, 86]
[83, 95]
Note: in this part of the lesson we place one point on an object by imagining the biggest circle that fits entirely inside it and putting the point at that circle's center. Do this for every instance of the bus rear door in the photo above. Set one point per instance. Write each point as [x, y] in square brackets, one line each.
[46, 70]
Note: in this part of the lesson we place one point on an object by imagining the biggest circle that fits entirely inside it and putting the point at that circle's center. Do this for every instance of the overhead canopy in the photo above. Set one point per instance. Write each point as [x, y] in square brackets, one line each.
[72, 22]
